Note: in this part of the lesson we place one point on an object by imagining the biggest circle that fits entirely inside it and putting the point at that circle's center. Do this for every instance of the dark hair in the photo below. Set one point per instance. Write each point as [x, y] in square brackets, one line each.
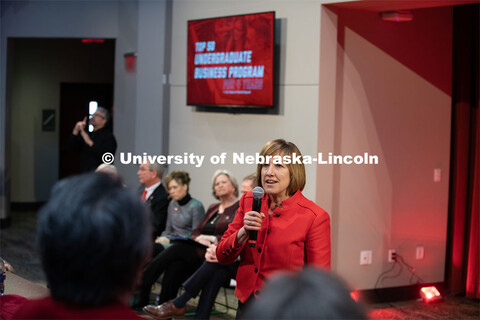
[94, 237]
[181, 177]
[297, 170]
[309, 294]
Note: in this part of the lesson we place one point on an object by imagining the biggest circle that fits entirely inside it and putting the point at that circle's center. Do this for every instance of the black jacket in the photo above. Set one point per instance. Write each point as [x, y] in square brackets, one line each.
[91, 157]
[158, 204]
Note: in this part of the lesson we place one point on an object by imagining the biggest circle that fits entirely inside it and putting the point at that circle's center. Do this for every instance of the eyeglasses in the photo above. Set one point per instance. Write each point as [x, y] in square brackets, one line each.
[98, 115]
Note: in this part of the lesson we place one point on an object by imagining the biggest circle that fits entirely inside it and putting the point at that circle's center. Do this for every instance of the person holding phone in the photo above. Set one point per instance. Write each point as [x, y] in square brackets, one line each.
[92, 145]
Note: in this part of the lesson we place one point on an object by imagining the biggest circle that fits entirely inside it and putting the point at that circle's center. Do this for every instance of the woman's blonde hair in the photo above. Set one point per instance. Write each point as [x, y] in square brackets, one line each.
[232, 179]
[297, 170]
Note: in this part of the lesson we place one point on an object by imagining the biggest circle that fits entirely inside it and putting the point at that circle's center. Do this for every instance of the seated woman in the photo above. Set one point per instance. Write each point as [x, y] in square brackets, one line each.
[208, 278]
[184, 212]
[182, 258]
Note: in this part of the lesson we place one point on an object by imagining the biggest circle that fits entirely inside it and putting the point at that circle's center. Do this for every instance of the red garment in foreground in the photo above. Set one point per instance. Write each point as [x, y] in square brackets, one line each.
[295, 235]
[9, 304]
[47, 308]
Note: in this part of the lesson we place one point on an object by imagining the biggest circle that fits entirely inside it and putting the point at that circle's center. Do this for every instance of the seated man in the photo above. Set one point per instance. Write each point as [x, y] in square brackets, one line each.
[154, 196]
[248, 183]
[94, 238]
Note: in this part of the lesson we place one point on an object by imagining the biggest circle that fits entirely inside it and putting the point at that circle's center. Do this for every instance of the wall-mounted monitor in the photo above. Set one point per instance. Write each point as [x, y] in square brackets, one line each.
[230, 61]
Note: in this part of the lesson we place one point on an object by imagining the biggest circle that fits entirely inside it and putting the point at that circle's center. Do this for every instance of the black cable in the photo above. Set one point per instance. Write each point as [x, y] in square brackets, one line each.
[386, 272]
[410, 269]
[398, 273]
[398, 259]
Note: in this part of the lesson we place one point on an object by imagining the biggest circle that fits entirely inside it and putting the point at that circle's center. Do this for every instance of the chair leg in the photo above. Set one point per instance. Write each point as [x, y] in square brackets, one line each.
[226, 305]
[226, 298]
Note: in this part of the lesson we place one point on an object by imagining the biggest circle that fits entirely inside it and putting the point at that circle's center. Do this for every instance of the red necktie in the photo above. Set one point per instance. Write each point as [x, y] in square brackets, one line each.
[144, 195]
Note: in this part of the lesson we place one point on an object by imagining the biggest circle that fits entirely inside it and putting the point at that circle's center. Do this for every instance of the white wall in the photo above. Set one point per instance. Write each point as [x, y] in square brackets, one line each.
[374, 103]
[139, 111]
[213, 133]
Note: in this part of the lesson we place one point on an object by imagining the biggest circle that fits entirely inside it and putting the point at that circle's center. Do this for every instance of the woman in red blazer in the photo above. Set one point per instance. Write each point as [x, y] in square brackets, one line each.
[292, 230]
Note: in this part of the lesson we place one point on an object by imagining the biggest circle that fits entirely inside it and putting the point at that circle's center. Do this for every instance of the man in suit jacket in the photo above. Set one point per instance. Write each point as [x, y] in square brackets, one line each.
[154, 195]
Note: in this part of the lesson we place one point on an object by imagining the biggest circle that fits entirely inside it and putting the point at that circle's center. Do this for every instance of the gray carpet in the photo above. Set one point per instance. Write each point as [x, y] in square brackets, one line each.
[450, 308]
[17, 246]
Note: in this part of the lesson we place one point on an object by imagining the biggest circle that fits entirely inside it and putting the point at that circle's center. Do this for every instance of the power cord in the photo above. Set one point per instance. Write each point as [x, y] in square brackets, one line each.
[383, 274]
[410, 269]
[398, 260]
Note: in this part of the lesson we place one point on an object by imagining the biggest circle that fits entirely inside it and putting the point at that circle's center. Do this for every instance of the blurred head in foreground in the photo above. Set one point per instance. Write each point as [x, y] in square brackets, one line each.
[309, 294]
[108, 169]
[94, 238]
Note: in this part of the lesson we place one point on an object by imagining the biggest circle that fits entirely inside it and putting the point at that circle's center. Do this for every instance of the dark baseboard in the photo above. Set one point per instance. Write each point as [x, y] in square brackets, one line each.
[403, 293]
[5, 222]
[26, 206]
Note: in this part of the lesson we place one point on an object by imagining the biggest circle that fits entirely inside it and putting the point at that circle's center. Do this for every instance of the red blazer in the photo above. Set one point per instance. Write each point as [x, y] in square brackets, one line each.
[47, 308]
[295, 235]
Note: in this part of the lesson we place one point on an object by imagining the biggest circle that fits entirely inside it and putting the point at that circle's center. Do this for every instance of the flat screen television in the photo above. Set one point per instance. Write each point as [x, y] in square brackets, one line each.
[230, 61]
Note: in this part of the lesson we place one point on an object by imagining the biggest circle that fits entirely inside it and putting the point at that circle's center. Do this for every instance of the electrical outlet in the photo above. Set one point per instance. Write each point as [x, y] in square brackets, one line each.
[420, 253]
[365, 257]
[391, 253]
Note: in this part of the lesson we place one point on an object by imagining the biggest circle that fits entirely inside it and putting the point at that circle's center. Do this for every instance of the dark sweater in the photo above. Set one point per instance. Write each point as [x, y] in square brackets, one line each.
[221, 224]
[91, 157]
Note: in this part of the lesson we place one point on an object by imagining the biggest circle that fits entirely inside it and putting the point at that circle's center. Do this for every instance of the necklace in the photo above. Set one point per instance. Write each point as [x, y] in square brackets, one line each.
[214, 220]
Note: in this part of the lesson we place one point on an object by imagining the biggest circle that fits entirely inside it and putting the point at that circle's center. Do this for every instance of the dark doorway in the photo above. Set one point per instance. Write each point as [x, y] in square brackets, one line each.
[74, 107]
[35, 70]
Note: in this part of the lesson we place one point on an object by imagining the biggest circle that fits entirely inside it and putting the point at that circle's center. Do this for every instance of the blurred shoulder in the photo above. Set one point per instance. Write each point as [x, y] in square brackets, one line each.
[195, 203]
[213, 206]
[235, 205]
[310, 206]
[247, 195]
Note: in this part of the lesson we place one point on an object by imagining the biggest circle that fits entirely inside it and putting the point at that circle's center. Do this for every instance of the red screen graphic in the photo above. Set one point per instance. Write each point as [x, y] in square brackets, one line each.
[230, 60]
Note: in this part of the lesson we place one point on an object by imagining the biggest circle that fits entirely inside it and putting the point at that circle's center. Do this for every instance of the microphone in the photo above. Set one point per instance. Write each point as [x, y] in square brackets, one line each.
[256, 206]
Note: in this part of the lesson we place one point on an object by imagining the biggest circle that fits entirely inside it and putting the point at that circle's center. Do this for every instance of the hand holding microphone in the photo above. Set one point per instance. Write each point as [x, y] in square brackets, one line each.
[253, 219]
